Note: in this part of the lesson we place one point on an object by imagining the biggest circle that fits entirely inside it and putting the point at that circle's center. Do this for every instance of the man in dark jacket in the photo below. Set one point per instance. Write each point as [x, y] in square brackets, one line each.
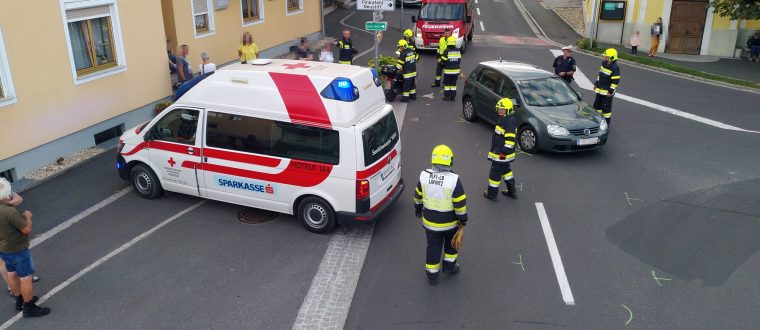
[502, 152]
[564, 65]
[606, 84]
[346, 50]
[407, 65]
[753, 43]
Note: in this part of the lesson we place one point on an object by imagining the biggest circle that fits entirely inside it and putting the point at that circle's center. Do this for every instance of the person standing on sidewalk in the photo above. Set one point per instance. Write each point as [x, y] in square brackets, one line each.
[753, 43]
[442, 44]
[346, 50]
[606, 84]
[564, 65]
[15, 228]
[15, 201]
[656, 34]
[248, 51]
[184, 70]
[440, 201]
[502, 152]
[635, 43]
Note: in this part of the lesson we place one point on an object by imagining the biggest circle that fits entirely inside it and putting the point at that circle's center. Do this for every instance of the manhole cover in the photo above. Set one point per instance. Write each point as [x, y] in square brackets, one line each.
[256, 216]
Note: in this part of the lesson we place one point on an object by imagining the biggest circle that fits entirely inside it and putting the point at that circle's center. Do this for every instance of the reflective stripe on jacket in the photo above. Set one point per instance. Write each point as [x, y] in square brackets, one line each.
[503, 140]
[608, 78]
[441, 197]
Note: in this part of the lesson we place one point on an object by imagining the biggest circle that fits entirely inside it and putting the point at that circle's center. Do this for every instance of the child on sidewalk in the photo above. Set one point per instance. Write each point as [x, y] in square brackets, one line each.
[634, 42]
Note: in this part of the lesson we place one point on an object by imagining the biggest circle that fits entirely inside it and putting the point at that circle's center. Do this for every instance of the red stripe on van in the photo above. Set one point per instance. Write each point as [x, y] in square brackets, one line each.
[301, 99]
[243, 158]
[364, 174]
[298, 173]
[161, 145]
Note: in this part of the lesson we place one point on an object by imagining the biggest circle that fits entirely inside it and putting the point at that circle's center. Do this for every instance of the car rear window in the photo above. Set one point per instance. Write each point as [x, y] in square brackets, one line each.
[380, 138]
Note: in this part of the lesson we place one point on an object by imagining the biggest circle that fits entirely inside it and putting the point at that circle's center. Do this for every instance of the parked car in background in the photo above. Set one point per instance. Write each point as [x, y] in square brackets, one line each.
[550, 115]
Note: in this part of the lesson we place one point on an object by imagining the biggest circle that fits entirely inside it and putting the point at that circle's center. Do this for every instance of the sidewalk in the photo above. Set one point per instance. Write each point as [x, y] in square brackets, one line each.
[557, 30]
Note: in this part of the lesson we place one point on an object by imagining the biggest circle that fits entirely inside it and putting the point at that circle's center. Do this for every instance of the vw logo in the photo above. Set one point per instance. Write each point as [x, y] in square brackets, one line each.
[587, 131]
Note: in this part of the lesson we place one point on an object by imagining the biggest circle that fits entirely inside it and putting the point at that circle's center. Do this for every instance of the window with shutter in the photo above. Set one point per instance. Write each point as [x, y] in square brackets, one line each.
[202, 16]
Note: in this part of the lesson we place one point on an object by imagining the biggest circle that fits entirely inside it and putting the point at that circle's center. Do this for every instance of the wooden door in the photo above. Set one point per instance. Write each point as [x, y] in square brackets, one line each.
[687, 22]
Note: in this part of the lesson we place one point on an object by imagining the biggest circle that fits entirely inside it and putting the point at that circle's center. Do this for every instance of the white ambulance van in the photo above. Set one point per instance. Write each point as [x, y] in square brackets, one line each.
[312, 139]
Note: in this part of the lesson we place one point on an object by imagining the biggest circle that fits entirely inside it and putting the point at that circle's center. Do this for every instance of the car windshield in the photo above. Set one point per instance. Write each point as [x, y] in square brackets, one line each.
[442, 12]
[546, 92]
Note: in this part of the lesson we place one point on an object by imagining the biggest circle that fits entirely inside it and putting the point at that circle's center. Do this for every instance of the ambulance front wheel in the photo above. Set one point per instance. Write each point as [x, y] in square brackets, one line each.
[316, 215]
[145, 182]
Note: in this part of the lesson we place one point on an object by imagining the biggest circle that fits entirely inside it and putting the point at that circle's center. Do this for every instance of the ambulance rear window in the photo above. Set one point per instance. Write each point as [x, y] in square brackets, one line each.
[380, 138]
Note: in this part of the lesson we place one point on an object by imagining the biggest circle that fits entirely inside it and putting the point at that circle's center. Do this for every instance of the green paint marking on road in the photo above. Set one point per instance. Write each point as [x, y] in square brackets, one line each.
[630, 315]
[659, 279]
[519, 263]
[462, 120]
[520, 152]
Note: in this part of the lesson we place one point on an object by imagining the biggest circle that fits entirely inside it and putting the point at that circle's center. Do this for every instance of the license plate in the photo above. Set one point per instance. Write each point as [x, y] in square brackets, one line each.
[433, 44]
[585, 142]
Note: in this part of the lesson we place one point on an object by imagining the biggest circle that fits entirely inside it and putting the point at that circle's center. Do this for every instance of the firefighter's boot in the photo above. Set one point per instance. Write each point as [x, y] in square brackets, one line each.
[432, 278]
[511, 191]
[450, 266]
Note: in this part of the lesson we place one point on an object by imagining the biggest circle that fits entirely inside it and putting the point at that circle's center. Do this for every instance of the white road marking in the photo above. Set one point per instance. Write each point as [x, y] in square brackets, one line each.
[86, 213]
[478, 11]
[102, 260]
[329, 298]
[476, 2]
[564, 285]
[481, 26]
[585, 83]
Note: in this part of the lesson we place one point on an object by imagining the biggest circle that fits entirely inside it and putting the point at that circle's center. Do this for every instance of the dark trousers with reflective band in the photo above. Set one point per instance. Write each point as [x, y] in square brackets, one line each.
[603, 105]
[410, 87]
[499, 171]
[437, 241]
[438, 72]
[450, 85]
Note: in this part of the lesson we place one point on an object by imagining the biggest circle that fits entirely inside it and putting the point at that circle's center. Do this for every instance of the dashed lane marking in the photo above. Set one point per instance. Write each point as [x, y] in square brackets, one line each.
[71, 221]
[559, 269]
[482, 28]
[329, 298]
[102, 260]
[585, 83]
[508, 40]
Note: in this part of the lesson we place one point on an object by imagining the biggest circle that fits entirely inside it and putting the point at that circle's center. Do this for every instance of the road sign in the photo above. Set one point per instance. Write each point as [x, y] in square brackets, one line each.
[387, 5]
[376, 26]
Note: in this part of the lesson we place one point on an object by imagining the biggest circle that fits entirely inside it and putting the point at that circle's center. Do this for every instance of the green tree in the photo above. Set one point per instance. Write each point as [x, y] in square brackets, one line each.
[737, 9]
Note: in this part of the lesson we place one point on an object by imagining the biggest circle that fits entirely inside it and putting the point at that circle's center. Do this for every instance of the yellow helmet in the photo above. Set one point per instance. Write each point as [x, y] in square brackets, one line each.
[611, 53]
[402, 43]
[451, 41]
[505, 103]
[442, 155]
[408, 33]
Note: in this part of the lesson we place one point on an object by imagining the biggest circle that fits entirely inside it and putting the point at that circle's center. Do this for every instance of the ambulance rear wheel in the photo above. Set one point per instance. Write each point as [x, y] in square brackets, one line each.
[145, 182]
[316, 215]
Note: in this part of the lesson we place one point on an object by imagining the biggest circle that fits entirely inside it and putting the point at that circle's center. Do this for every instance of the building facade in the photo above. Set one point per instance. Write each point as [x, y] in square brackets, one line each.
[689, 26]
[89, 69]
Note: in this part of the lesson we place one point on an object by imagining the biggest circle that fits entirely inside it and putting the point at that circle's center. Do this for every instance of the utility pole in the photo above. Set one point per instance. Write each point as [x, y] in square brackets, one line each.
[592, 33]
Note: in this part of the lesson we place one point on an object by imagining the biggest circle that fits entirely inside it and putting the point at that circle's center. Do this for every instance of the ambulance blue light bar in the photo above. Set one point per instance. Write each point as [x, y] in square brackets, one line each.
[341, 89]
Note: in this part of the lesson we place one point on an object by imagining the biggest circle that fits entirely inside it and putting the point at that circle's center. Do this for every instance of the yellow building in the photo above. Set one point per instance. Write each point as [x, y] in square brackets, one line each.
[689, 27]
[93, 68]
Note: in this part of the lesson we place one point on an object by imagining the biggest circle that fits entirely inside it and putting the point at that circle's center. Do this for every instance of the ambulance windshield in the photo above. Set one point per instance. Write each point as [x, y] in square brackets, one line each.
[380, 138]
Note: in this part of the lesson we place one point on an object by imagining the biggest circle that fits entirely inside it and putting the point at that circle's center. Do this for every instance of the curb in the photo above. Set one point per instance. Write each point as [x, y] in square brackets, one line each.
[35, 183]
[566, 22]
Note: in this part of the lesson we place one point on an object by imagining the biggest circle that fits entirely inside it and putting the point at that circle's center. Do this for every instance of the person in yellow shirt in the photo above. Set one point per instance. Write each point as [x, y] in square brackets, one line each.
[248, 50]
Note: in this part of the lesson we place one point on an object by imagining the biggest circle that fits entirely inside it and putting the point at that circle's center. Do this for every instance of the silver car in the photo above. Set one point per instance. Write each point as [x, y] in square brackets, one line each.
[550, 114]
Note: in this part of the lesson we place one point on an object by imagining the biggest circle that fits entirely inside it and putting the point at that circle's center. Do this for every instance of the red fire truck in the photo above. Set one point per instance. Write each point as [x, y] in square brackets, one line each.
[437, 15]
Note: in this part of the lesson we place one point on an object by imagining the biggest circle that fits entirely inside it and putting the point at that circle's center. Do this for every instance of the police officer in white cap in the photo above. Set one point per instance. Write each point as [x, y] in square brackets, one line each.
[564, 65]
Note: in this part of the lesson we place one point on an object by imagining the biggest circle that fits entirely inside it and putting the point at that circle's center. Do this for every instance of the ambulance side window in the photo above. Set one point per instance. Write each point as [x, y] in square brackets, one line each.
[179, 125]
[307, 143]
[239, 133]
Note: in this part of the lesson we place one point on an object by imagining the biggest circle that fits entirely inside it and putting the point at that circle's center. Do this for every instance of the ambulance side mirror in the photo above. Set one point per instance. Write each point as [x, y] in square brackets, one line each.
[414, 19]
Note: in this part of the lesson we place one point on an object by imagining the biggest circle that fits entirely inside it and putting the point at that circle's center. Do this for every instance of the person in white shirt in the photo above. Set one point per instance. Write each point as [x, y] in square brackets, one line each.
[326, 55]
[206, 66]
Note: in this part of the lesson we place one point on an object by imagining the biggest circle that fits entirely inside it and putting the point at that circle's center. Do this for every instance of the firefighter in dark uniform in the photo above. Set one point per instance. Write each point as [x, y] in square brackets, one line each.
[346, 50]
[407, 65]
[440, 201]
[442, 44]
[451, 60]
[408, 36]
[502, 152]
[606, 84]
[564, 65]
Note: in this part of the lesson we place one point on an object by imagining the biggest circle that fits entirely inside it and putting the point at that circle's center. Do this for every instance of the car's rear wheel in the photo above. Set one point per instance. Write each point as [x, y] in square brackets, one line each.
[146, 182]
[528, 139]
[468, 110]
[316, 215]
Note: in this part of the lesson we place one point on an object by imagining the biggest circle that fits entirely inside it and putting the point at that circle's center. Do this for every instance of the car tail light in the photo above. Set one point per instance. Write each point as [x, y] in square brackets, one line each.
[362, 189]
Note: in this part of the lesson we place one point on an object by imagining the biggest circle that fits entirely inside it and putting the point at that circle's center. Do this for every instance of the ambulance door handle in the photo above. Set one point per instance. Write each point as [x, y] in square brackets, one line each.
[190, 151]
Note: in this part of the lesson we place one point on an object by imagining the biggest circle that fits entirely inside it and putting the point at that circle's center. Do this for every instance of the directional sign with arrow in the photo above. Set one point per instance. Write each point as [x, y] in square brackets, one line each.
[384, 5]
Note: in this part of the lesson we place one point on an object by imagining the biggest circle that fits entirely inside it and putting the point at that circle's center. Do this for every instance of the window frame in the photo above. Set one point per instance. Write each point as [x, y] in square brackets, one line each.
[293, 10]
[91, 50]
[210, 23]
[152, 131]
[117, 43]
[7, 92]
[252, 21]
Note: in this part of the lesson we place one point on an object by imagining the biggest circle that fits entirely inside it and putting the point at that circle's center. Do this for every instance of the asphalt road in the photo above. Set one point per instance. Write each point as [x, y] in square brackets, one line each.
[656, 230]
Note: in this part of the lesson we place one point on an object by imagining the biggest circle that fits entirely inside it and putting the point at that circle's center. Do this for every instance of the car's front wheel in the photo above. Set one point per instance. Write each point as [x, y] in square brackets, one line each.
[146, 182]
[316, 215]
[528, 139]
[468, 110]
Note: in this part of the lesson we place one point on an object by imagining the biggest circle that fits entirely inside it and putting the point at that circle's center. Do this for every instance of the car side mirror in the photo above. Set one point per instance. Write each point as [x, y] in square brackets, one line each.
[468, 19]
[414, 19]
[515, 103]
